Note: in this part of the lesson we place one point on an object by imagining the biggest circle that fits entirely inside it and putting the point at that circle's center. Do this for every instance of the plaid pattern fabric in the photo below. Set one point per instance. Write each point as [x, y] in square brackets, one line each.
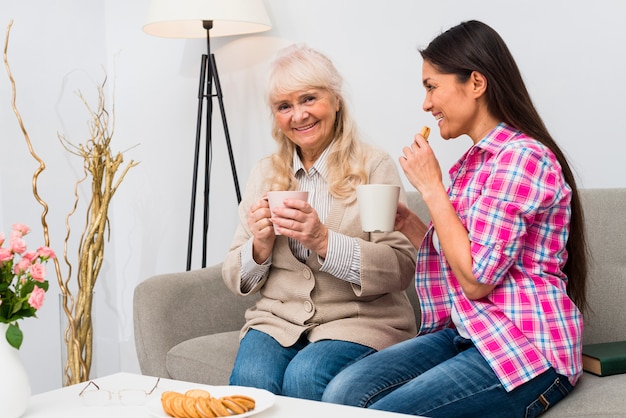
[509, 193]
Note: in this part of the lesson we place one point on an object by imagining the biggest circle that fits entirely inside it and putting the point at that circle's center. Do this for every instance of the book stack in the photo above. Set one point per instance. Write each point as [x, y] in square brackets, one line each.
[605, 359]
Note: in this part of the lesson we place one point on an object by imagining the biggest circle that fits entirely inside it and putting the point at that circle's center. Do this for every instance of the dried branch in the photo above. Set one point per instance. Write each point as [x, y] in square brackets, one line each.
[101, 165]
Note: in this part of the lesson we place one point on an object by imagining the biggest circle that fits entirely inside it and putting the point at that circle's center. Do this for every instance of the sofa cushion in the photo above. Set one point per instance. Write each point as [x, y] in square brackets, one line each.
[593, 396]
[208, 359]
[606, 287]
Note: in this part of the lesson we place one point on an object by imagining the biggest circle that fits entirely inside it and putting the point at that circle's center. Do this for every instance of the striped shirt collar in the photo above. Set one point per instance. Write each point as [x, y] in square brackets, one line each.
[320, 165]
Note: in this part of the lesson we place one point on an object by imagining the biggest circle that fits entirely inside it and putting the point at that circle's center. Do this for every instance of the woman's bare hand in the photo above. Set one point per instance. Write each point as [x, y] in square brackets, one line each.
[420, 165]
[298, 220]
[260, 224]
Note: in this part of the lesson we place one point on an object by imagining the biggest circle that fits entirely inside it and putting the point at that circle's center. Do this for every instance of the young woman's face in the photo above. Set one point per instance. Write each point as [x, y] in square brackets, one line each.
[307, 117]
[451, 102]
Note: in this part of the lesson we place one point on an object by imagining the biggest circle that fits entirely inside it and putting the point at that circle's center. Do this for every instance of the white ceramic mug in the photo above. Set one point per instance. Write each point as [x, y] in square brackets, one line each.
[378, 204]
[276, 199]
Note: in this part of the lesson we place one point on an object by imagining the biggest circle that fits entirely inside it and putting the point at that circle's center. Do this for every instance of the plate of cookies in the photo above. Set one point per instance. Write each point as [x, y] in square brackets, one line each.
[202, 401]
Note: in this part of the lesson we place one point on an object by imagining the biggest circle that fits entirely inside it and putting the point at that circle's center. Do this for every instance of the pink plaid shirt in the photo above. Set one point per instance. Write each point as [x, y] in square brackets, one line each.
[509, 192]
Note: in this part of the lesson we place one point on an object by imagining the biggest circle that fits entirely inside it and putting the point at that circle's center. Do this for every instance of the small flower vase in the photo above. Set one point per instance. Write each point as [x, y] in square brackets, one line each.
[14, 384]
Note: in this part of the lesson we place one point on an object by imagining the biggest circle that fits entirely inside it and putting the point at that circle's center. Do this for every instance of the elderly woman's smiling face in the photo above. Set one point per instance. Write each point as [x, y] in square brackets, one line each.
[307, 117]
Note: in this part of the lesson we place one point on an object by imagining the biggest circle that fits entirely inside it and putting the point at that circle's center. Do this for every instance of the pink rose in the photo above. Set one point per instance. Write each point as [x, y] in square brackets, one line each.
[31, 256]
[5, 255]
[36, 297]
[18, 245]
[46, 252]
[21, 228]
[38, 272]
[21, 266]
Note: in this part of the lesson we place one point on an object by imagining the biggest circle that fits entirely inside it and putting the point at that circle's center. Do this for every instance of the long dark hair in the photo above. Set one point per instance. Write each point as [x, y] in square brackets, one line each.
[474, 46]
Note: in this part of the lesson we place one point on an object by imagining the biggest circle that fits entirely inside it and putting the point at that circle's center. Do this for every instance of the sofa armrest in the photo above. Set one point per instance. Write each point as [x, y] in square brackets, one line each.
[171, 308]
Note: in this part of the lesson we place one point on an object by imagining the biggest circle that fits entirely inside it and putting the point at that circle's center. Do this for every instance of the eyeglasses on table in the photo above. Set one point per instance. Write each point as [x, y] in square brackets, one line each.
[94, 396]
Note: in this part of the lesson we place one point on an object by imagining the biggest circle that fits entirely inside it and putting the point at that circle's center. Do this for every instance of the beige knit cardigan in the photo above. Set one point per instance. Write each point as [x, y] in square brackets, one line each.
[298, 298]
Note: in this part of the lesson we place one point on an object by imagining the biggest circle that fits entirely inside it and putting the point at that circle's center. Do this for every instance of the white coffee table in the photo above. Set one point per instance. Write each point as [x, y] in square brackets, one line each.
[65, 402]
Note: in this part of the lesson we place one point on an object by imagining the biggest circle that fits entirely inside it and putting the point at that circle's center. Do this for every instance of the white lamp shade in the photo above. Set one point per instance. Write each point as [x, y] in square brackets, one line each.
[183, 18]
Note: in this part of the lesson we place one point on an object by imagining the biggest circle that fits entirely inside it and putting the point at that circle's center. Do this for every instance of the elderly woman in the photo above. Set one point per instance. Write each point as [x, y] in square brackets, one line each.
[330, 294]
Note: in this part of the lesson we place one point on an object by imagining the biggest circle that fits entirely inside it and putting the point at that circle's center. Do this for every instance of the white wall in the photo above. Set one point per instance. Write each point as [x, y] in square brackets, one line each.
[571, 53]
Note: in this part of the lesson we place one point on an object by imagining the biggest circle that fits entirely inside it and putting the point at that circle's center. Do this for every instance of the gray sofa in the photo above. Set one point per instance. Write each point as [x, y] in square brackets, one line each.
[196, 340]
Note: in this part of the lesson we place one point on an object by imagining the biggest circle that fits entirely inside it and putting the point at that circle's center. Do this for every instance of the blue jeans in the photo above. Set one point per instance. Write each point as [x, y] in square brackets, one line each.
[440, 375]
[301, 371]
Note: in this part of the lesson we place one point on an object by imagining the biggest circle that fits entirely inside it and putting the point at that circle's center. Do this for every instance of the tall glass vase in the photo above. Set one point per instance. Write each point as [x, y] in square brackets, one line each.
[71, 371]
[14, 383]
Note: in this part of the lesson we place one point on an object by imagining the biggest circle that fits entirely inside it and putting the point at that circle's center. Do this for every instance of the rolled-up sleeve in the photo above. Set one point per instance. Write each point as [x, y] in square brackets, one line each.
[499, 218]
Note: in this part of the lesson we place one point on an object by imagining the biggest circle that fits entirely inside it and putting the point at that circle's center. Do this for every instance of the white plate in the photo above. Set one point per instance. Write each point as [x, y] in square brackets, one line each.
[263, 398]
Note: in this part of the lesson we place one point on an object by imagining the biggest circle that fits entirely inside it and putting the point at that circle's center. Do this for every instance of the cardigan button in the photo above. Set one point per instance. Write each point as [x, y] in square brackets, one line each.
[307, 274]
[308, 306]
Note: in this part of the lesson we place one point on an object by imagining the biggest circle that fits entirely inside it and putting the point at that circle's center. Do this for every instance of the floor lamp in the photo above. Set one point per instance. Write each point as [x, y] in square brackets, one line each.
[200, 19]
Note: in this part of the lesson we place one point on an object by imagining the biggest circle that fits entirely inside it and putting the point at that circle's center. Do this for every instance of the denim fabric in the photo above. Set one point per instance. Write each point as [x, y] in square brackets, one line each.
[301, 371]
[440, 375]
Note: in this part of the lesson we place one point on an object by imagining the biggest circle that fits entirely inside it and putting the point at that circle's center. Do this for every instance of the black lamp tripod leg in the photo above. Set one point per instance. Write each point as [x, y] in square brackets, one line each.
[208, 75]
[218, 90]
[194, 186]
[208, 160]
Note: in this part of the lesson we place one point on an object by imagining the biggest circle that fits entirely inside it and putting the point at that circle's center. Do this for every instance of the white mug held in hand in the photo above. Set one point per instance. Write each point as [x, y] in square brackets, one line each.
[378, 204]
[276, 199]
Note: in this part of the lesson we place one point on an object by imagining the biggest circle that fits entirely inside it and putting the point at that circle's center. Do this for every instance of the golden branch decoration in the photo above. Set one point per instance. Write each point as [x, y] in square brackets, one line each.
[99, 163]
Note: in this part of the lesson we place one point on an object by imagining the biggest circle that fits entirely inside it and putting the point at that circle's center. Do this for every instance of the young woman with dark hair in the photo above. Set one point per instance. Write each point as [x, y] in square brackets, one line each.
[501, 269]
